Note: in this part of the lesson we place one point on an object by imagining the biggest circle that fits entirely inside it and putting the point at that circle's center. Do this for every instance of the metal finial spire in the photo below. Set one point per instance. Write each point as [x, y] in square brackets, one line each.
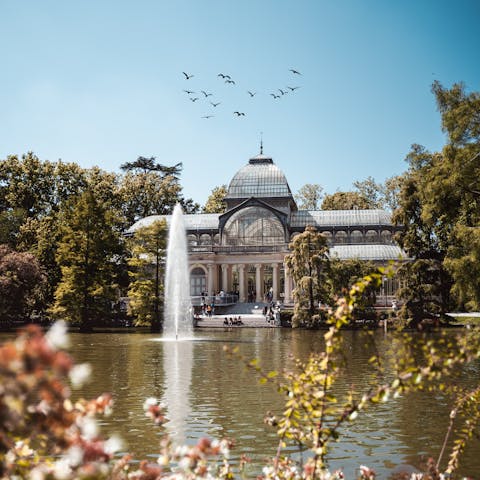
[261, 143]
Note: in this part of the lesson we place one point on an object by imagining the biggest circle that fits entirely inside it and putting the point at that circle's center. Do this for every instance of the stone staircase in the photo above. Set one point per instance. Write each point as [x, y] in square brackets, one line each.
[240, 308]
[248, 320]
[251, 315]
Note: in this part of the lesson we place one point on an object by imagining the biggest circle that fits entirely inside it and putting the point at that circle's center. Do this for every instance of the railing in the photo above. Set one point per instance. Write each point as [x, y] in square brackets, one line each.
[217, 300]
[237, 248]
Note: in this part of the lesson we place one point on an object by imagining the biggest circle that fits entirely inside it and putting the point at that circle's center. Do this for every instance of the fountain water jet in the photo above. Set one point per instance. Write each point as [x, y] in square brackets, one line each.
[178, 321]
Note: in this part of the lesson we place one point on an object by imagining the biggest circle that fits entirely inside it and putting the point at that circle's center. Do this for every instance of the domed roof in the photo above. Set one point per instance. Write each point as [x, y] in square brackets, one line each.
[259, 178]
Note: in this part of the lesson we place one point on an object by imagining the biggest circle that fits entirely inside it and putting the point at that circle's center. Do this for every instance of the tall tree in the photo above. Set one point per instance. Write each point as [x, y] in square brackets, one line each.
[216, 200]
[22, 285]
[308, 264]
[309, 196]
[88, 251]
[346, 201]
[146, 272]
[391, 192]
[148, 164]
[426, 284]
[371, 190]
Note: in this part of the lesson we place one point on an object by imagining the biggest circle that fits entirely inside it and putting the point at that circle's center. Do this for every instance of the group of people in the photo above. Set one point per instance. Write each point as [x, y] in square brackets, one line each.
[232, 321]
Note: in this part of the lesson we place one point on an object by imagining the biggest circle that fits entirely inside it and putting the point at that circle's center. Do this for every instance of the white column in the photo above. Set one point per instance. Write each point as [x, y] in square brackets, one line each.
[225, 278]
[288, 287]
[258, 282]
[241, 283]
[210, 279]
[275, 281]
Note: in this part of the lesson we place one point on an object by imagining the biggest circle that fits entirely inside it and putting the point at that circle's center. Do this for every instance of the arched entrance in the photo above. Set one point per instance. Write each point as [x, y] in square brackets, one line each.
[198, 281]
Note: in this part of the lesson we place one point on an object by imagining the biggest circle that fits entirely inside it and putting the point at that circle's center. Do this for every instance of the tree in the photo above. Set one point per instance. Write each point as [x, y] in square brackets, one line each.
[216, 201]
[88, 251]
[309, 196]
[146, 271]
[392, 188]
[346, 201]
[425, 282]
[308, 264]
[146, 165]
[440, 203]
[22, 285]
[371, 190]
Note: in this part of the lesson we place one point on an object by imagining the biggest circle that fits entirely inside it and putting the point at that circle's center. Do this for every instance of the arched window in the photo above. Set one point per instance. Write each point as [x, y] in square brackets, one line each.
[216, 239]
[205, 239]
[356, 237]
[253, 226]
[192, 240]
[341, 237]
[371, 236]
[386, 236]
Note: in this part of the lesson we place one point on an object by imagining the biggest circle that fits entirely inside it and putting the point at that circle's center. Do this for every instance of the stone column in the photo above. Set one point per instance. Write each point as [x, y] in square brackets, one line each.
[241, 283]
[225, 278]
[275, 281]
[288, 287]
[258, 282]
[210, 279]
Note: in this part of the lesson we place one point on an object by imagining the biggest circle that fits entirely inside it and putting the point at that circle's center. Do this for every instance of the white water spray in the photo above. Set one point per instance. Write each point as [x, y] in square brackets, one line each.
[178, 321]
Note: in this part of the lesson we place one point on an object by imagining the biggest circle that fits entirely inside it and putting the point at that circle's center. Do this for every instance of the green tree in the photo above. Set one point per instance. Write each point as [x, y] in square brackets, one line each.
[392, 188]
[346, 201]
[343, 274]
[216, 200]
[22, 285]
[440, 204]
[371, 190]
[88, 253]
[308, 264]
[148, 164]
[426, 284]
[146, 272]
[26, 184]
[309, 196]
[149, 188]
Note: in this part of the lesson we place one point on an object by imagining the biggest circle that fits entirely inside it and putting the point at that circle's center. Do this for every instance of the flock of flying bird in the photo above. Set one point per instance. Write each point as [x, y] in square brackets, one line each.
[229, 81]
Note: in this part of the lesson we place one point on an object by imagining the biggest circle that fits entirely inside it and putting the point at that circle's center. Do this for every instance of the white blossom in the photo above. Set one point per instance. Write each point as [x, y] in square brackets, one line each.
[113, 444]
[57, 335]
[79, 374]
[89, 428]
[149, 402]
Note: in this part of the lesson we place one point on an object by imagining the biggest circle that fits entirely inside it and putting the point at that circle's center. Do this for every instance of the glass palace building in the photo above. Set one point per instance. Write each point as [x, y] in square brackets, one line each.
[243, 249]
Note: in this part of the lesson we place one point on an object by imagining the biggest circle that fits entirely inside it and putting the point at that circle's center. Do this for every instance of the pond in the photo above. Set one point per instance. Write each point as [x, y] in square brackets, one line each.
[208, 394]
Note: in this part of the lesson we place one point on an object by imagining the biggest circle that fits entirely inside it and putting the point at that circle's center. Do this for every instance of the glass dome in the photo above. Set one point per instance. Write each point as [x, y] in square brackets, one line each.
[259, 178]
[253, 226]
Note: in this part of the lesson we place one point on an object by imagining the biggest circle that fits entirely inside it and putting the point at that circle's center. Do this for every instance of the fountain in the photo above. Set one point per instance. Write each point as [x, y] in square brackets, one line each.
[178, 321]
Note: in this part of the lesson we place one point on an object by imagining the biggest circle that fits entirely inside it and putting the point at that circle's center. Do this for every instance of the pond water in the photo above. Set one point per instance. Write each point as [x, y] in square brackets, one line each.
[208, 394]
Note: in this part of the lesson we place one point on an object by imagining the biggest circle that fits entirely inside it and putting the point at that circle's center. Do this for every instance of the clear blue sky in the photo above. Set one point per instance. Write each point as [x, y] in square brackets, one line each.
[99, 82]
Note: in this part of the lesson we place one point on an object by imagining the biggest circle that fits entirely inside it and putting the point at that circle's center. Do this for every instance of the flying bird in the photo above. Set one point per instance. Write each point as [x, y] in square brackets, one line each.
[194, 99]
[252, 94]
[189, 92]
[208, 116]
[229, 81]
[239, 114]
[275, 96]
[282, 92]
[206, 94]
[187, 76]
[216, 104]
[292, 89]
[224, 76]
[296, 72]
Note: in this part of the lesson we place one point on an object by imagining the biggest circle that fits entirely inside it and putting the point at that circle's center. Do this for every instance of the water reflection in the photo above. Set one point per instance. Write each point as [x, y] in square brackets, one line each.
[177, 371]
